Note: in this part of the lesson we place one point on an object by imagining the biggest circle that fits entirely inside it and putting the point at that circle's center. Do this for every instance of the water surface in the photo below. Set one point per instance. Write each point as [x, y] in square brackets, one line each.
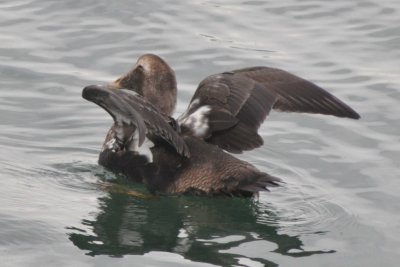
[339, 205]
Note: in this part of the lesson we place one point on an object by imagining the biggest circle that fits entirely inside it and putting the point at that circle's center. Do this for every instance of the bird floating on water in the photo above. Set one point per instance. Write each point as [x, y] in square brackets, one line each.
[192, 154]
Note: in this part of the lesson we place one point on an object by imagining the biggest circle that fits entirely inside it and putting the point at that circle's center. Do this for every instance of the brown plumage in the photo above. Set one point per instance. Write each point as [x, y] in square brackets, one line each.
[246, 97]
[225, 112]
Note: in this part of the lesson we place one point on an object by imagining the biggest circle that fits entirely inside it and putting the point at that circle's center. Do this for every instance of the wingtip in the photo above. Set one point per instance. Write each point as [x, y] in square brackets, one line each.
[90, 92]
[349, 113]
[87, 92]
[356, 116]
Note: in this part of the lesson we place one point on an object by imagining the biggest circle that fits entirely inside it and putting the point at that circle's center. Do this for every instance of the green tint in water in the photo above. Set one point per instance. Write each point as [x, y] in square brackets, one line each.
[197, 228]
[342, 190]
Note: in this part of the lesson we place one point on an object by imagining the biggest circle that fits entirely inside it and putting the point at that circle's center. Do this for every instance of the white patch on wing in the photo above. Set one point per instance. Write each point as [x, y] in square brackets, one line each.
[110, 144]
[184, 115]
[198, 120]
[144, 149]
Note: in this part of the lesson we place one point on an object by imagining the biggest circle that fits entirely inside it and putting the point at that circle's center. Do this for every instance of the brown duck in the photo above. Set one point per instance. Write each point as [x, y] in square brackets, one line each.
[190, 154]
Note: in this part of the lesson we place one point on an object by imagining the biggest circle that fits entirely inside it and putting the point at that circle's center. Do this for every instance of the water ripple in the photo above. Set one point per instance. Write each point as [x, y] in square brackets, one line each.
[341, 175]
[297, 211]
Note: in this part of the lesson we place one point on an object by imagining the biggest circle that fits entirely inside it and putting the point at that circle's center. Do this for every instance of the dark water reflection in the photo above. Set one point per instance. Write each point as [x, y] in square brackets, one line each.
[197, 228]
[340, 204]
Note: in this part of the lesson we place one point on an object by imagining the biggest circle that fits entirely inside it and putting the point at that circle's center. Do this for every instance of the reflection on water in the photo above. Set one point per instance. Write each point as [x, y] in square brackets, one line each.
[342, 177]
[198, 228]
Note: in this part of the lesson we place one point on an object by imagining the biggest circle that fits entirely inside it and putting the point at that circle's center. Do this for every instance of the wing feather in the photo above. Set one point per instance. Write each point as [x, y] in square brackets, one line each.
[239, 101]
[297, 94]
[133, 109]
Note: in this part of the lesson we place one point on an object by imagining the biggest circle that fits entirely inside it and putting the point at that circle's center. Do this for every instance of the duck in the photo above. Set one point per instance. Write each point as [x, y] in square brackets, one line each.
[194, 153]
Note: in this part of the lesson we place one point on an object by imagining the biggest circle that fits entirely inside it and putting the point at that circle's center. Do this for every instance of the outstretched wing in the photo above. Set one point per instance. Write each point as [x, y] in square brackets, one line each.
[127, 107]
[227, 109]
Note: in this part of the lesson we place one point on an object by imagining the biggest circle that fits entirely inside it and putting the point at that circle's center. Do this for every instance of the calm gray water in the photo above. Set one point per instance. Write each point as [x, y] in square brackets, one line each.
[340, 205]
